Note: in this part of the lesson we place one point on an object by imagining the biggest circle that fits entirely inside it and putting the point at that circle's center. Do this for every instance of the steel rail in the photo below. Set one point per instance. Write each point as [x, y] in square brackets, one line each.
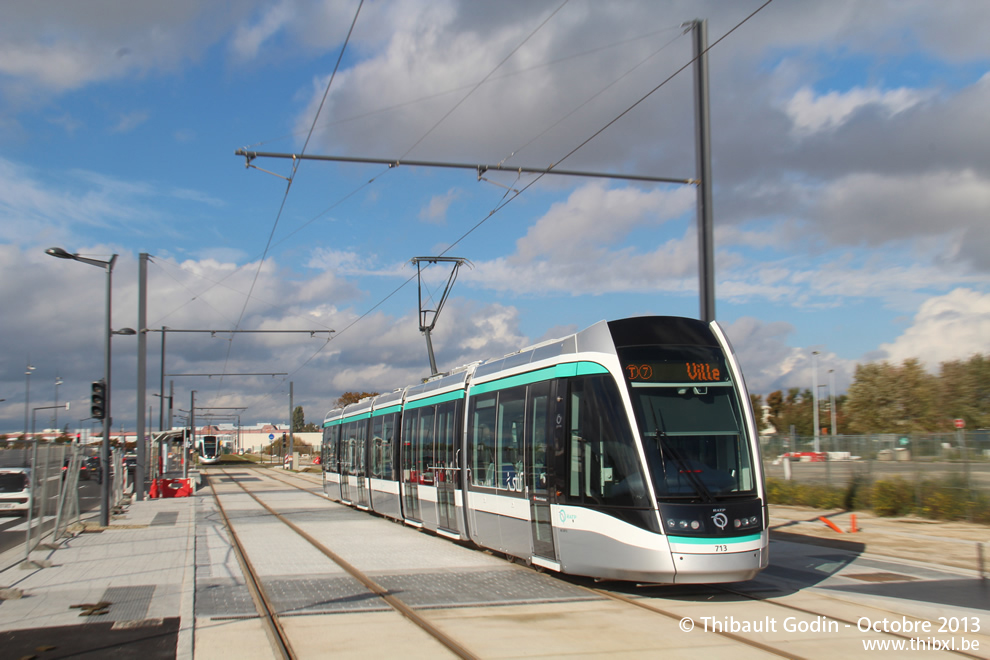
[277, 634]
[600, 592]
[396, 604]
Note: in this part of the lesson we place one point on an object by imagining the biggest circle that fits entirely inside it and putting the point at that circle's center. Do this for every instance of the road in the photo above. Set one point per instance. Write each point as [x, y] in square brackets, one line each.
[12, 528]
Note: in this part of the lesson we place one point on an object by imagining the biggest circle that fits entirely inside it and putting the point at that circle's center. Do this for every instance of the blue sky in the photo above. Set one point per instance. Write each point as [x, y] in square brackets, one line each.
[850, 162]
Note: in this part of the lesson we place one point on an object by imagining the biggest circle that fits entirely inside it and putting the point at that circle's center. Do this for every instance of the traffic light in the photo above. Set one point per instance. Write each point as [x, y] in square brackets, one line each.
[98, 401]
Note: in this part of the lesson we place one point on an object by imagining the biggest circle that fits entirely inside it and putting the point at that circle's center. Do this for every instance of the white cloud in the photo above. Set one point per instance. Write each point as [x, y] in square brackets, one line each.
[248, 39]
[950, 327]
[595, 216]
[770, 364]
[128, 122]
[811, 113]
[436, 211]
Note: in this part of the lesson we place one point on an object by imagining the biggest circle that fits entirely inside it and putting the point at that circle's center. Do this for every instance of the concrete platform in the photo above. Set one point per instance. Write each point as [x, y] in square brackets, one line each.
[162, 582]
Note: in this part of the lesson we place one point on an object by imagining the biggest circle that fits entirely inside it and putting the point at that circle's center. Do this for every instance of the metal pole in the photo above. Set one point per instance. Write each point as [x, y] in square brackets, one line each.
[706, 249]
[292, 420]
[161, 388]
[429, 349]
[27, 394]
[192, 435]
[107, 420]
[831, 402]
[814, 398]
[142, 376]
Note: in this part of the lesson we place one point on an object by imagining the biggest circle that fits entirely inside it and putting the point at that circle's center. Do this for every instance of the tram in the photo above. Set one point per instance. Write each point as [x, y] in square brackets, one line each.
[208, 448]
[626, 451]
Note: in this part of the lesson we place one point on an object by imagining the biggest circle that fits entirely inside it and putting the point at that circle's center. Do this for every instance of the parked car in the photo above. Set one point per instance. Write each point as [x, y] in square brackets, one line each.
[90, 469]
[15, 490]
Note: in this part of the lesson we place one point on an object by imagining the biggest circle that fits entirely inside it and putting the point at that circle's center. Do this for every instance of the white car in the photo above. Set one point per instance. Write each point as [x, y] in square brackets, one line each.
[15, 490]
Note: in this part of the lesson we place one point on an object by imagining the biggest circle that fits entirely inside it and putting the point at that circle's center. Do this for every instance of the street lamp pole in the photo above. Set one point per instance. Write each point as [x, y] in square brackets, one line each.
[814, 398]
[58, 381]
[27, 394]
[105, 445]
[831, 402]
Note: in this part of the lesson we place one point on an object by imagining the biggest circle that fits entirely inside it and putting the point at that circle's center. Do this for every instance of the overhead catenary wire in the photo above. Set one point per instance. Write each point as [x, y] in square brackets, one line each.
[483, 80]
[454, 90]
[288, 186]
[550, 169]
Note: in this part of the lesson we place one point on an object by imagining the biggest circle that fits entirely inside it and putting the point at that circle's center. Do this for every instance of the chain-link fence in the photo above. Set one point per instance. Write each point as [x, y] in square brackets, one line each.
[923, 467]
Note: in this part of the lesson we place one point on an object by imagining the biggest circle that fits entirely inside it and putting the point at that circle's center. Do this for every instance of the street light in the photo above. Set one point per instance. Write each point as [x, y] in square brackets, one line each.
[107, 266]
[814, 398]
[58, 381]
[27, 394]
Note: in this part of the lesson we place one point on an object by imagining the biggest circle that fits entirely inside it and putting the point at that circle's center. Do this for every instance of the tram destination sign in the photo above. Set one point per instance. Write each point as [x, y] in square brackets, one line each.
[675, 372]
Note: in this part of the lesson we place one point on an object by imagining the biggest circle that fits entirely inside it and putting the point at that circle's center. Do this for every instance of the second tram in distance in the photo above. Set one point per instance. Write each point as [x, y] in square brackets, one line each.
[626, 451]
[208, 448]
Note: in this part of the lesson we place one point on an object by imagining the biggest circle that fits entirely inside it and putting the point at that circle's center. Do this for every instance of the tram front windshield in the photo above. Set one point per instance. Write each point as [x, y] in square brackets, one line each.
[691, 423]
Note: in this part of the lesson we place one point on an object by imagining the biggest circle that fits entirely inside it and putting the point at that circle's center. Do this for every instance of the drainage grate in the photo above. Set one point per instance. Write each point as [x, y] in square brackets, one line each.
[127, 603]
[165, 519]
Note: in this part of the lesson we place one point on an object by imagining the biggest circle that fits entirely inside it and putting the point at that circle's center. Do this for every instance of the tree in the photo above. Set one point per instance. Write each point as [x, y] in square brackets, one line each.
[964, 391]
[298, 419]
[885, 398]
[347, 398]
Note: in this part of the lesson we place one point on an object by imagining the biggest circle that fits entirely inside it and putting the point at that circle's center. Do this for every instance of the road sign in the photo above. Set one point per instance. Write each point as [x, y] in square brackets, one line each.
[271, 436]
[960, 423]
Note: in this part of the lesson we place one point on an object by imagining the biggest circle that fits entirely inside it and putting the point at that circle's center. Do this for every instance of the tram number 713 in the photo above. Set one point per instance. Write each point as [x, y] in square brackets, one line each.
[721, 548]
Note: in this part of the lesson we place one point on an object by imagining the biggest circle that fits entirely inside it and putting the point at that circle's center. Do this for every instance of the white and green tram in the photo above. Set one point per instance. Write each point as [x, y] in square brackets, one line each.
[626, 451]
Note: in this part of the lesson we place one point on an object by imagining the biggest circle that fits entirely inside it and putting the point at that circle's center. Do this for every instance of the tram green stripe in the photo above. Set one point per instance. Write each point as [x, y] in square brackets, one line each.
[691, 540]
[431, 400]
[387, 411]
[344, 420]
[567, 370]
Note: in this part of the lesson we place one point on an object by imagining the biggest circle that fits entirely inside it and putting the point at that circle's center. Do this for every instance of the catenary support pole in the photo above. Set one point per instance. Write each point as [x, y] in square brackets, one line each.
[706, 241]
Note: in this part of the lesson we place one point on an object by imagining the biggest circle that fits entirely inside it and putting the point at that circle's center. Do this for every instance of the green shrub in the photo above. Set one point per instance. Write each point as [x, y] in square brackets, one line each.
[941, 500]
[816, 496]
[892, 498]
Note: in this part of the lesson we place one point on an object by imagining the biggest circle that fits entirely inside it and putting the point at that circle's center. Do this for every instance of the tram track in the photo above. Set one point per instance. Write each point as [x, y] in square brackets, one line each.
[273, 626]
[641, 599]
[267, 611]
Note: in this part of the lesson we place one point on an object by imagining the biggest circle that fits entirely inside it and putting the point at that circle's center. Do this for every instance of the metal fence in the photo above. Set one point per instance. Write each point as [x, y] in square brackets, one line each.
[958, 461]
[54, 487]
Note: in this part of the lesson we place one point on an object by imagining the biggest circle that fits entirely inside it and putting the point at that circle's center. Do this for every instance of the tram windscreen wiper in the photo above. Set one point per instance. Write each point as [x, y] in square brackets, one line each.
[665, 447]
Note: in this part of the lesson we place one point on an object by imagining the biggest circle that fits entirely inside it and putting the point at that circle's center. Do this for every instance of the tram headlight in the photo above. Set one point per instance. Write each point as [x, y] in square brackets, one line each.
[675, 524]
[749, 521]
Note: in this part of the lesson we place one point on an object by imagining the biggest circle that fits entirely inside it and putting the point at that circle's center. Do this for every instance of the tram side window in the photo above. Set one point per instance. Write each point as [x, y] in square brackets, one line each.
[481, 440]
[377, 460]
[446, 442]
[424, 445]
[382, 432]
[330, 445]
[348, 448]
[410, 419]
[604, 466]
[509, 438]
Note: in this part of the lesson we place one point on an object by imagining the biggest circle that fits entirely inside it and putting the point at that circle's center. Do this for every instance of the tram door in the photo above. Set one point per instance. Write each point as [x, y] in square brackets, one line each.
[358, 476]
[538, 464]
[446, 470]
[410, 475]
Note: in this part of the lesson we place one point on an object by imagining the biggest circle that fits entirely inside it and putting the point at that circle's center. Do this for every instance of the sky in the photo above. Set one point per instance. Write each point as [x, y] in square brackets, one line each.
[850, 189]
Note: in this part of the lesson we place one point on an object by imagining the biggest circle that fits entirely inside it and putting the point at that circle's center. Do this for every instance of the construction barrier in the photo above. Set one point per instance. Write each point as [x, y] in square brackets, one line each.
[170, 488]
